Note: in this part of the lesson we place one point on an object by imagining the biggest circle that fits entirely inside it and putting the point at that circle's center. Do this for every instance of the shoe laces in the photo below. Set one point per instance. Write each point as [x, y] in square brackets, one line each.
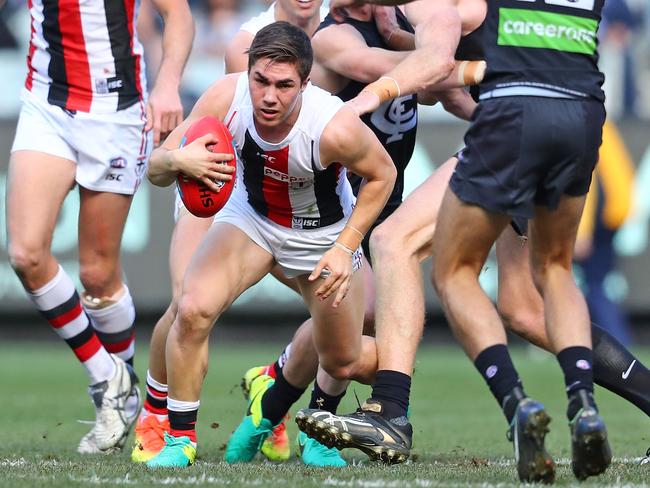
[151, 430]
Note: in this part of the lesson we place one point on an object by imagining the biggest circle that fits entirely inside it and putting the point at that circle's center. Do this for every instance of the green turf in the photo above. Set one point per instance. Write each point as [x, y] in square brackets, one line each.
[459, 431]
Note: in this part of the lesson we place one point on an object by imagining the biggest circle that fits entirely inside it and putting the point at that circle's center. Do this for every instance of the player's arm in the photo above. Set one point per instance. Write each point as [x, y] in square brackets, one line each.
[437, 34]
[342, 49]
[456, 101]
[194, 159]
[348, 141]
[236, 55]
[164, 108]
[395, 37]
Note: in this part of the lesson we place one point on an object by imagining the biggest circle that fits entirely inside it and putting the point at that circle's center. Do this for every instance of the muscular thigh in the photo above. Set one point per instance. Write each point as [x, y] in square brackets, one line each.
[226, 263]
[188, 233]
[414, 222]
[336, 330]
[36, 187]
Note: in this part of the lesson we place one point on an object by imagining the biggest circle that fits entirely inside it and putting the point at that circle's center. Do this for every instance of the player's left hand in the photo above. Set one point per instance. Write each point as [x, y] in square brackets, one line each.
[364, 103]
[164, 110]
[339, 264]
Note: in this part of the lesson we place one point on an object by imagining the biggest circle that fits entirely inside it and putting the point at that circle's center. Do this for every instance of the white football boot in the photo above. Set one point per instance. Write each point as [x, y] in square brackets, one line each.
[112, 421]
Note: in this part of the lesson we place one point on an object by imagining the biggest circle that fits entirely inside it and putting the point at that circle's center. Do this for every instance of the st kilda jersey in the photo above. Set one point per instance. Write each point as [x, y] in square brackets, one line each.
[85, 55]
[394, 122]
[286, 182]
[542, 48]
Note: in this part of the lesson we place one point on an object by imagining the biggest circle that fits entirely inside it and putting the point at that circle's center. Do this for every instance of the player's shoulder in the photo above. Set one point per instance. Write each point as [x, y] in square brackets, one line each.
[220, 95]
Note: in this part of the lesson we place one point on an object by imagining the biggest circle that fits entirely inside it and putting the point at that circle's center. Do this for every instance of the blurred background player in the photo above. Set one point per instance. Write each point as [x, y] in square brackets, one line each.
[86, 120]
[271, 112]
[188, 232]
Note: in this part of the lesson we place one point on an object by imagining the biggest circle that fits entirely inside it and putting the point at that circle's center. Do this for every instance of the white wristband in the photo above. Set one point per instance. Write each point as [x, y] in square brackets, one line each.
[344, 248]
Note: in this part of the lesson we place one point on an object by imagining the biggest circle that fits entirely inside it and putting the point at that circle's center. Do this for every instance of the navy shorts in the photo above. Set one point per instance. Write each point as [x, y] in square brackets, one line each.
[523, 152]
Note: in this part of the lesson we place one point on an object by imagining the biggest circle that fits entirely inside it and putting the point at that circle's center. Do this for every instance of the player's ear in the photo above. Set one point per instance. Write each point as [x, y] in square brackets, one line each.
[304, 84]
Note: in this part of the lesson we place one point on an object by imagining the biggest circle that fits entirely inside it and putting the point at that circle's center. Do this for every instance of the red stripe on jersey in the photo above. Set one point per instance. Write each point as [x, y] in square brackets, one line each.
[275, 186]
[77, 69]
[129, 6]
[67, 317]
[89, 349]
[32, 47]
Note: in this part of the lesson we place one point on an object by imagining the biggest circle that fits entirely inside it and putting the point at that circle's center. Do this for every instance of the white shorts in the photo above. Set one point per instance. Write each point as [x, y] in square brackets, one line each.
[178, 204]
[111, 150]
[297, 251]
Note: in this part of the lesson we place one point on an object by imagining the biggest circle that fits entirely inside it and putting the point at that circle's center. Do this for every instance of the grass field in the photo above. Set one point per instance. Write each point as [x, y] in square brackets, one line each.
[459, 431]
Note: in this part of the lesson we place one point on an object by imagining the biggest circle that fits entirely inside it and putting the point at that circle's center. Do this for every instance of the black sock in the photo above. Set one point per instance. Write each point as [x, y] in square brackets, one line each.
[278, 399]
[324, 401]
[618, 370]
[576, 363]
[495, 365]
[392, 389]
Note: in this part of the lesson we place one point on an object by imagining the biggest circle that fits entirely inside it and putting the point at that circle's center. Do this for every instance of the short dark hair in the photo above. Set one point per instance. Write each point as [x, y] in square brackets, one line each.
[285, 43]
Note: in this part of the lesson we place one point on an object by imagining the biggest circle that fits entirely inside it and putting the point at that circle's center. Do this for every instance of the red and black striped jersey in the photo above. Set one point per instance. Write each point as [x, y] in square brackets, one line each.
[85, 55]
[285, 181]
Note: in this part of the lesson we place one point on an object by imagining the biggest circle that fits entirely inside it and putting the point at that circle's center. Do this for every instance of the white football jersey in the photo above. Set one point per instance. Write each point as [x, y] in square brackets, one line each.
[286, 181]
[85, 55]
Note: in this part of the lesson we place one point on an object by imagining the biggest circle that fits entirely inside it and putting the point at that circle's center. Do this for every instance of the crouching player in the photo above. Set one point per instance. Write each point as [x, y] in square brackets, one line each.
[292, 206]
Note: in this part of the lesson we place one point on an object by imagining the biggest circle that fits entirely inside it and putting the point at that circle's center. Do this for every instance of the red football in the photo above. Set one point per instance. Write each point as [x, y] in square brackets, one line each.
[198, 198]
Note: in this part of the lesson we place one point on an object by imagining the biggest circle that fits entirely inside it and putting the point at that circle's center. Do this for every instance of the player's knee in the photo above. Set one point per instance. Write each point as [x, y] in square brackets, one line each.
[386, 244]
[194, 320]
[26, 260]
[98, 279]
[339, 368]
[520, 319]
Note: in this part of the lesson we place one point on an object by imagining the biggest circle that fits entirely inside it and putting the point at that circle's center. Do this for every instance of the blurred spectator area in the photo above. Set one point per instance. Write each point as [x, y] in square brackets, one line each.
[625, 50]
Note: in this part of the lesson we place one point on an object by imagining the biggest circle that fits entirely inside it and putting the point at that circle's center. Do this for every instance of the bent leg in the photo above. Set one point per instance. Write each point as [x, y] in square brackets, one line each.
[37, 184]
[398, 246]
[519, 303]
[226, 263]
[186, 237]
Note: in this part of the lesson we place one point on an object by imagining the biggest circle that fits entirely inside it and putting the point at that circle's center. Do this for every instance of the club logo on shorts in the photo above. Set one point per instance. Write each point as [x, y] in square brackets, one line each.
[118, 162]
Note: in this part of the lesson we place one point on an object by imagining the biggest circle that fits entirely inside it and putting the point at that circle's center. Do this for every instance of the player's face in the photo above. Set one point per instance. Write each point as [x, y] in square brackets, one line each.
[275, 90]
[301, 8]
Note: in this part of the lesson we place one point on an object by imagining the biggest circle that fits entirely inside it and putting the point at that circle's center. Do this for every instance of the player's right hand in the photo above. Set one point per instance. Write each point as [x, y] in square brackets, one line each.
[196, 161]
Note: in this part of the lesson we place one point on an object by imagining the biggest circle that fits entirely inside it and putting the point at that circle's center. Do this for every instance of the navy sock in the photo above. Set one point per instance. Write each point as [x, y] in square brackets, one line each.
[324, 401]
[392, 389]
[278, 399]
[495, 365]
[576, 363]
